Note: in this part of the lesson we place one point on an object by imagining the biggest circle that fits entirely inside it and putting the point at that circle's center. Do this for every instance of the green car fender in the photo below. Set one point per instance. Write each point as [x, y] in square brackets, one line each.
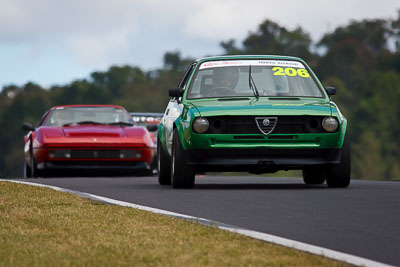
[344, 131]
[183, 123]
[161, 137]
[342, 122]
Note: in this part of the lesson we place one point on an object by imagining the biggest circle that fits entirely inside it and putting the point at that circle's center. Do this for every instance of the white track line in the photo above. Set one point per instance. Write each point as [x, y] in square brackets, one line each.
[332, 254]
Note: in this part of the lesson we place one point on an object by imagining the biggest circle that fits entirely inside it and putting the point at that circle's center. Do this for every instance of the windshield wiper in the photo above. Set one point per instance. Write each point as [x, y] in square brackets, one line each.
[121, 123]
[233, 98]
[251, 83]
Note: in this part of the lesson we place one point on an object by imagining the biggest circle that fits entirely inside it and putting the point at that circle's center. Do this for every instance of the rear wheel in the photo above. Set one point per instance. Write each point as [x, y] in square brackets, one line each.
[314, 175]
[339, 175]
[163, 165]
[182, 175]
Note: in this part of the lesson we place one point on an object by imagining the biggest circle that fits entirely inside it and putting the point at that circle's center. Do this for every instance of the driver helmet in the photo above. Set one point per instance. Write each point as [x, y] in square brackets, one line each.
[225, 77]
[62, 116]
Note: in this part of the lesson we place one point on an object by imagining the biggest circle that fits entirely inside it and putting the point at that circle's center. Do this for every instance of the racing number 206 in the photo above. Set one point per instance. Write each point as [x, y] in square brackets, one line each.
[290, 72]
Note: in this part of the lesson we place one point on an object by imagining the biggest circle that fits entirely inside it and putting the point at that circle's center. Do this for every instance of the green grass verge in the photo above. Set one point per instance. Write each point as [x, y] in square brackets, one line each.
[43, 227]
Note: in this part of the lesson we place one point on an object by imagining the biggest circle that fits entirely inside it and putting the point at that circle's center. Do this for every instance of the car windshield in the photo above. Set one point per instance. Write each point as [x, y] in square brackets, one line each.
[88, 115]
[231, 78]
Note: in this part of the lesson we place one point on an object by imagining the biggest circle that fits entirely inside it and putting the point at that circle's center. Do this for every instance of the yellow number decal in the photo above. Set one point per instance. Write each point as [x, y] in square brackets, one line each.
[278, 71]
[303, 73]
[290, 72]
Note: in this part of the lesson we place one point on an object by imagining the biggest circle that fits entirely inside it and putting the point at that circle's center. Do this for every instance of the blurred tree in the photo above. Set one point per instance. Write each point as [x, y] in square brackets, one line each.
[372, 33]
[367, 160]
[395, 24]
[6, 96]
[386, 61]
[347, 59]
[172, 60]
[351, 50]
[394, 173]
[230, 47]
[378, 112]
[28, 105]
[271, 38]
[344, 98]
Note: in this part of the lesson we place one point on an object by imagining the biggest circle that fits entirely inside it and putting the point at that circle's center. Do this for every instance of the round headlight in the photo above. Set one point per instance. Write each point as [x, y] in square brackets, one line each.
[200, 125]
[330, 124]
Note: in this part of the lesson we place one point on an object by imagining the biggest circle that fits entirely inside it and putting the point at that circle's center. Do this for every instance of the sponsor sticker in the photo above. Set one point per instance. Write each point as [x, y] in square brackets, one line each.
[237, 63]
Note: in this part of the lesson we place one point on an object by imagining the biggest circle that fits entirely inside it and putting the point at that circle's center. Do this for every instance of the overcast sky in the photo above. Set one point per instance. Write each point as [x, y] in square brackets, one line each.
[53, 41]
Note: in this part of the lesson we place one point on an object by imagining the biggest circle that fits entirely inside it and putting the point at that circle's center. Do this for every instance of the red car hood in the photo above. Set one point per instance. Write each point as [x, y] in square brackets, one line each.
[94, 131]
[94, 135]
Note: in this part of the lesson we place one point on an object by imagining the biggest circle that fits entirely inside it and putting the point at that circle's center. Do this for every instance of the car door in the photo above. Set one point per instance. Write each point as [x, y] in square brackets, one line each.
[174, 110]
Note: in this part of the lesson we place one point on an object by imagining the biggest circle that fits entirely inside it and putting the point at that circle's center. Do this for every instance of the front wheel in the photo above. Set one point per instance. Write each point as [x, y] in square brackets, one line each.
[182, 175]
[34, 171]
[163, 165]
[339, 175]
[27, 171]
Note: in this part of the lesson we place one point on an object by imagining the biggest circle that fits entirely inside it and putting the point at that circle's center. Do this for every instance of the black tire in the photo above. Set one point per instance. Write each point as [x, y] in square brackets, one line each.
[34, 170]
[313, 175]
[339, 175]
[27, 171]
[154, 166]
[182, 175]
[163, 165]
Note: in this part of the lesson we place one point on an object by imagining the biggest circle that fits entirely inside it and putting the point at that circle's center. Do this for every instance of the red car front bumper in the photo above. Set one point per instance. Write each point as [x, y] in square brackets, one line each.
[99, 158]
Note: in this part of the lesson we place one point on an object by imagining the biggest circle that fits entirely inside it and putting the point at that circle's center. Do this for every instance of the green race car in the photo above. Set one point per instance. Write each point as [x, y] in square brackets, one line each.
[258, 114]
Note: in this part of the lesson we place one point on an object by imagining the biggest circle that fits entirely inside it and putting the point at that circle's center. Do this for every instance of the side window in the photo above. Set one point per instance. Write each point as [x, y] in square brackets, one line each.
[186, 76]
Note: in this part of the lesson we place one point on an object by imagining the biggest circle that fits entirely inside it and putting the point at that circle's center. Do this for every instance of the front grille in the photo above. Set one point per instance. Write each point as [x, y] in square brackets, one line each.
[253, 125]
[95, 154]
[232, 125]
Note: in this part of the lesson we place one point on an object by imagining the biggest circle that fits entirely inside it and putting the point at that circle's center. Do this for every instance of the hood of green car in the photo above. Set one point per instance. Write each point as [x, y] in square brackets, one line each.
[262, 107]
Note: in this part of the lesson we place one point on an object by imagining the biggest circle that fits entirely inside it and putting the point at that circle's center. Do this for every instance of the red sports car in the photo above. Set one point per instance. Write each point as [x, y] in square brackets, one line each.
[87, 137]
[150, 120]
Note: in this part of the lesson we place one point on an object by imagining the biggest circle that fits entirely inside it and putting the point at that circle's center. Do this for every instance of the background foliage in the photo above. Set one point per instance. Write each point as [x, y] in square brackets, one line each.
[361, 59]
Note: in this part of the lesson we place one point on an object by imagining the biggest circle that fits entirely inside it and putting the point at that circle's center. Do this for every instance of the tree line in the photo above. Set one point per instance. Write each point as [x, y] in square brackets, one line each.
[361, 59]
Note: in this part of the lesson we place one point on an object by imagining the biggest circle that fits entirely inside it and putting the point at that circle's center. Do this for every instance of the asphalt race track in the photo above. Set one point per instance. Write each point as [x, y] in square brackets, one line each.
[363, 220]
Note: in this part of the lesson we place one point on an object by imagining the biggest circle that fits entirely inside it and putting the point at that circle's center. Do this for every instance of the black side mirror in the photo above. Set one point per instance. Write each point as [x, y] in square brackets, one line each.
[176, 92]
[27, 127]
[152, 127]
[330, 90]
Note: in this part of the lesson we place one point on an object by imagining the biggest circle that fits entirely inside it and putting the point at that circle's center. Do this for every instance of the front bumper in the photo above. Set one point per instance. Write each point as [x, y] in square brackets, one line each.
[259, 160]
[94, 159]
[81, 165]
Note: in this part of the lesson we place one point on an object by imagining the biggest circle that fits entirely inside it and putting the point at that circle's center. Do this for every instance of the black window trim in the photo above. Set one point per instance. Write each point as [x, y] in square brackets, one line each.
[186, 76]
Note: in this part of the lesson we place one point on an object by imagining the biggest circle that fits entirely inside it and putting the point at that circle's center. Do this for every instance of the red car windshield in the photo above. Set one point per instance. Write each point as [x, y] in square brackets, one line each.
[88, 115]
